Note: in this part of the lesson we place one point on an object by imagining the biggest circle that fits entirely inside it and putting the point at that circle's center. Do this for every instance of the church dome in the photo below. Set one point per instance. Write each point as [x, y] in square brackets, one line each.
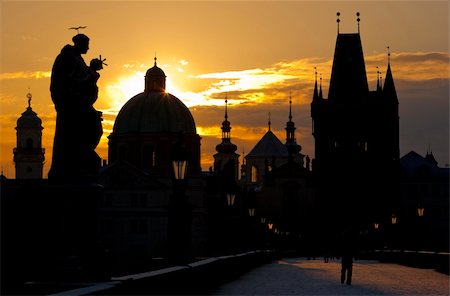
[154, 112]
[29, 118]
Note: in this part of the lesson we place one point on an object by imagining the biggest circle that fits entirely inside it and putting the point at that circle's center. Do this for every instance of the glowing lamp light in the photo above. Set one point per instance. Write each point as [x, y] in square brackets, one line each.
[263, 220]
[230, 198]
[270, 225]
[251, 212]
[376, 225]
[420, 211]
[393, 219]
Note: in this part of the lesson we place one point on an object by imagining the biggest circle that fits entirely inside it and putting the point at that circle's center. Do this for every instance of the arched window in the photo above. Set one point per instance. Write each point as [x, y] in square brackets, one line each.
[254, 178]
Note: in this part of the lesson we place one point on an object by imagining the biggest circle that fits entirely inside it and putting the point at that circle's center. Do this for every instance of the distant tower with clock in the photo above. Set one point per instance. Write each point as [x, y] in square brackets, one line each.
[29, 154]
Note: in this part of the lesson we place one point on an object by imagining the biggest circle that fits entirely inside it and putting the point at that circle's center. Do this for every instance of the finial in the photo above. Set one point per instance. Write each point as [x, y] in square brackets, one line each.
[338, 21]
[269, 121]
[378, 78]
[290, 106]
[320, 88]
[358, 19]
[29, 96]
[155, 58]
[389, 54]
[226, 103]
[78, 28]
[315, 73]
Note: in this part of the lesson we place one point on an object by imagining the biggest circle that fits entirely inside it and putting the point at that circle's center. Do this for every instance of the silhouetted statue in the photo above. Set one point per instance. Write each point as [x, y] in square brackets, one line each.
[78, 125]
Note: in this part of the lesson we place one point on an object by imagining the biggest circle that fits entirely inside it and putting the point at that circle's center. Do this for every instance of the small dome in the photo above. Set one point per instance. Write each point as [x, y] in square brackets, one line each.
[155, 71]
[154, 112]
[29, 118]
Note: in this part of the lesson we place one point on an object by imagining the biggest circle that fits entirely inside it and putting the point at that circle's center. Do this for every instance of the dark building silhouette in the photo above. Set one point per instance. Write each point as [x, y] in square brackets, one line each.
[269, 152]
[424, 196]
[29, 154]
[138, 181]
[121, 223]
[356, 133]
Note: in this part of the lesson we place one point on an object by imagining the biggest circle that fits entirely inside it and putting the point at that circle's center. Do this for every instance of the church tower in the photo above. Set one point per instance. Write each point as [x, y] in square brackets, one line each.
[29, 154]
[356, 139]
[226, 160]
[291, 143]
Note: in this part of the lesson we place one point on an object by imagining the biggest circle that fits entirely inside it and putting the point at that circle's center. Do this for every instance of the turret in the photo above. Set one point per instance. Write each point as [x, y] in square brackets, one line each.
[29, 154]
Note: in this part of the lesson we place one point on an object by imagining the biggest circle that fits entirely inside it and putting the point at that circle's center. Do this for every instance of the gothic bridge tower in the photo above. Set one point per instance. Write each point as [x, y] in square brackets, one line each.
[356, 133]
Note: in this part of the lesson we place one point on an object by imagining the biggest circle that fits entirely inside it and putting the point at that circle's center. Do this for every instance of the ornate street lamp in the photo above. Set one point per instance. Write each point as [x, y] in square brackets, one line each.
[420, 210]
[393, 219]
[179, 159]
[179, 169]
[251, 212]
[230, 198]
[376, 225]
[179, 210]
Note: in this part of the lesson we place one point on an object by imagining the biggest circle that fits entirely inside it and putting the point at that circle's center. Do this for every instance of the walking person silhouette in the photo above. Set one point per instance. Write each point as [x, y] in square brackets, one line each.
[347, 254]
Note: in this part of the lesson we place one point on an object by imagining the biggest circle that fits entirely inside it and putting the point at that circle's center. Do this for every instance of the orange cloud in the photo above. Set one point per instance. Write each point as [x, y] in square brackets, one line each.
[25, 75]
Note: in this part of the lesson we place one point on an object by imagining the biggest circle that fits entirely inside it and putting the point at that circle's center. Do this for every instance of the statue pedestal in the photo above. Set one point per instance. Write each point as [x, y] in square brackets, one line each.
[70, 218]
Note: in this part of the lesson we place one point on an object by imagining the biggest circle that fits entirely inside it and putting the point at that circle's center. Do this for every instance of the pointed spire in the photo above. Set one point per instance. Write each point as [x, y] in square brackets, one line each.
[226, 127]
[269, 121]
[389, 86]
[358, 19]
[315, 94]
[290, 106]
[389, 55]
[226, 104]
[155, 59]
[378, 79]
[338, 21]
[226, 146]
[291, 143]
[320, 88]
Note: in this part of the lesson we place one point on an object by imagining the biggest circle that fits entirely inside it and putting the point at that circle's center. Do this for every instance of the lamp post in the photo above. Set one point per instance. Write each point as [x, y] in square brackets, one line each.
[230, 199]
[179, 216]
[421, 226]
[420, 210]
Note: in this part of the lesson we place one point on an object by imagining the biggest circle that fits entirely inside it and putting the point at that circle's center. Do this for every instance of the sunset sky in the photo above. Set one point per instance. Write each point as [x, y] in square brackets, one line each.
[255, 52]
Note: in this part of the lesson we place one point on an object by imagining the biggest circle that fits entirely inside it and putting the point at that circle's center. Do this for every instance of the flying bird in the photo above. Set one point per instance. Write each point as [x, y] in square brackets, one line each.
[77, 28]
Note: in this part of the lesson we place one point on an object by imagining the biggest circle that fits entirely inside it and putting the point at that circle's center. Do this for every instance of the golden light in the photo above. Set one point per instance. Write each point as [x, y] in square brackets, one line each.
[126, 87]
[393, 219]
[420, 211]
[230, 198]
